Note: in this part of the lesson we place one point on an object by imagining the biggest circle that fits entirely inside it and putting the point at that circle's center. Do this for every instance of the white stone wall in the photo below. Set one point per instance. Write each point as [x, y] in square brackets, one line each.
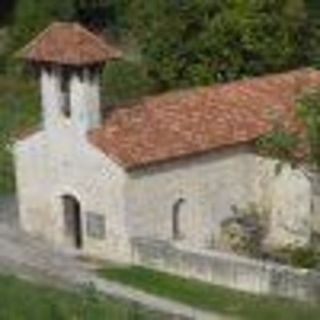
[85, 101]
[316, 204]
[286, 195]
[210, 185]
[60, 161]
[231, 271]
[51, 98]
[49, 167]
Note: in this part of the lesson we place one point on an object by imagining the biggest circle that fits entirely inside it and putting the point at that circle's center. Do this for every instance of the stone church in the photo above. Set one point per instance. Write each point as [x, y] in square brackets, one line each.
[171, 167]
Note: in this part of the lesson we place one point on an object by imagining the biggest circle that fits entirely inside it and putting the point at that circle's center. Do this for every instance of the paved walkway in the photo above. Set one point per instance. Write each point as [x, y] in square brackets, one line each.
[27, 257]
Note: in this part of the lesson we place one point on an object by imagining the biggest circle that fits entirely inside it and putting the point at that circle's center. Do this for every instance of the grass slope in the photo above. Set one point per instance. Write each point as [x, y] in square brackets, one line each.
[209, 297]
[21, 300]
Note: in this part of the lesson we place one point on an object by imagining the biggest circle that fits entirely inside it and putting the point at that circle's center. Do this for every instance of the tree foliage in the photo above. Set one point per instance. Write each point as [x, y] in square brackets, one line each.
[280, 144]
[32, 16]
[309, 112]
[286, 145]
[6, 11]
[192, 42]
[125, 81]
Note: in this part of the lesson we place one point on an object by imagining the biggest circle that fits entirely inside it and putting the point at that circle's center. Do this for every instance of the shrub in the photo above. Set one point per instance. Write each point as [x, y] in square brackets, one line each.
[125, 81]
[245, 231]
[306, 258]
[19, 111]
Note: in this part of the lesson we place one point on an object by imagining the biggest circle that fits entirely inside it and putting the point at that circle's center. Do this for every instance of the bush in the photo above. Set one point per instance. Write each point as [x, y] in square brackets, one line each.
[198, 42]
[244, 232]
[125, 81]
[19, 111]
[306, 258]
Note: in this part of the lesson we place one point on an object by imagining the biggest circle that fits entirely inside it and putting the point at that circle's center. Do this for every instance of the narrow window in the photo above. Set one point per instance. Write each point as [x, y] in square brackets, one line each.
[65, 88]
[176, 217]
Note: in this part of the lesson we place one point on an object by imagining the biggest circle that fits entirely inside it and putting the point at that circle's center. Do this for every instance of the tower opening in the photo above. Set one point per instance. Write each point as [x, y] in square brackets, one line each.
[66, 92]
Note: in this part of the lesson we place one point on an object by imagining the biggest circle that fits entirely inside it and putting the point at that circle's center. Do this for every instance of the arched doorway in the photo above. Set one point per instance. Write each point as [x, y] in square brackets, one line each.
[72, 221]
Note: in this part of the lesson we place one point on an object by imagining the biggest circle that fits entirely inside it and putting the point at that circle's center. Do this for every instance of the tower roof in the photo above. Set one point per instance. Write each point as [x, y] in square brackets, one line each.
[68, 44]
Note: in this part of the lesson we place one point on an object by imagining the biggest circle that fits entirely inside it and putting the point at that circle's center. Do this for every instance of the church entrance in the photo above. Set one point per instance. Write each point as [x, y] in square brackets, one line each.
[72, 221]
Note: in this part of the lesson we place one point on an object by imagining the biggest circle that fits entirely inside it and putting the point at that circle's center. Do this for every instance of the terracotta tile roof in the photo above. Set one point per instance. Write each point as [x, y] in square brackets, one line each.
[190, 122]
[68, 44]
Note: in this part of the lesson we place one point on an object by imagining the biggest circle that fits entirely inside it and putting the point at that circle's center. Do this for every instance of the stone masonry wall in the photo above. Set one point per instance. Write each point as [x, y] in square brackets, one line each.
[227, 270]
[49, 166]
[211, 186]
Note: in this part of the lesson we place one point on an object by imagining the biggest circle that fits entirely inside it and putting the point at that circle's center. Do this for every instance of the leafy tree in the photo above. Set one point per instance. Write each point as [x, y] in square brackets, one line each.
[309, 111]
[32, 16]
[6, 11]
[313, 7]
[279, 143]
[195, 42]
[125, 81]
[286, 146]
[190, 42]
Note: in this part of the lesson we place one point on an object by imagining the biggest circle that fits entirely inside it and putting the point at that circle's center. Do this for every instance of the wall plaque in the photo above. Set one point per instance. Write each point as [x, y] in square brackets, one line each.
[96, 225]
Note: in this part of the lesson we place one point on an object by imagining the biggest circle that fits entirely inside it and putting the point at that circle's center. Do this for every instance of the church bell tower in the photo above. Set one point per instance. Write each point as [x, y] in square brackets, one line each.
[69, 59]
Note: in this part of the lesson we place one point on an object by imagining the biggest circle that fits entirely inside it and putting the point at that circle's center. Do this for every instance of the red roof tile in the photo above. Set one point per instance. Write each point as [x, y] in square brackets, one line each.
[190, 122]
[68, 44]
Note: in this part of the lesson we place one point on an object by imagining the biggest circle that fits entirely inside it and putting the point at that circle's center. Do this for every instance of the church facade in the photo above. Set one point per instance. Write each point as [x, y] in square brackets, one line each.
[173, 167]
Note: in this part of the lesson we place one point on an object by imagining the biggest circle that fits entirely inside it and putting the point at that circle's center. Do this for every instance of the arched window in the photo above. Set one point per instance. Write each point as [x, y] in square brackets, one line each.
[176, 219]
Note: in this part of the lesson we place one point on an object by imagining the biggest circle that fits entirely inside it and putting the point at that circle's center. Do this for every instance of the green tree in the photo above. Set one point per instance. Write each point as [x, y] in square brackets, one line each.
[32, 16]
[195, 42]
[125, 81]
[6, 11]
[309, 112]
[297, 147]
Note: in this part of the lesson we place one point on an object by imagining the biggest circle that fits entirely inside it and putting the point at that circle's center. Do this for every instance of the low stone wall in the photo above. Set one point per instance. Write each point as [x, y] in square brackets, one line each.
[227, 270]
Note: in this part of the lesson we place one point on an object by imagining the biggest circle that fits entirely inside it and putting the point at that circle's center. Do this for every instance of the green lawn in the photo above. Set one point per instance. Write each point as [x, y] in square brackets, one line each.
[20, 300]
[209, 297]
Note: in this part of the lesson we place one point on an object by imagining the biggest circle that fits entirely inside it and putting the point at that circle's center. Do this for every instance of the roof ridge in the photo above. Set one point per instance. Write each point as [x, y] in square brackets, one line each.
[41, 35]
[230, 83]
[103, 44]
